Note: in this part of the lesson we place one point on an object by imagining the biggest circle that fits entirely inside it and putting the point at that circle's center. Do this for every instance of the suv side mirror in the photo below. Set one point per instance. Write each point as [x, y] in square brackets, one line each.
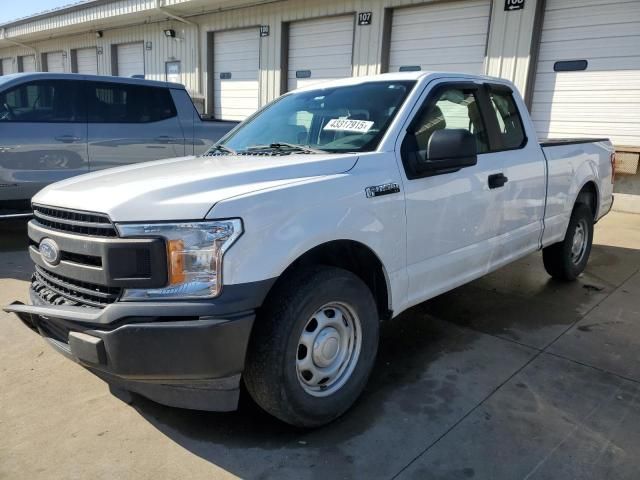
[449, 149]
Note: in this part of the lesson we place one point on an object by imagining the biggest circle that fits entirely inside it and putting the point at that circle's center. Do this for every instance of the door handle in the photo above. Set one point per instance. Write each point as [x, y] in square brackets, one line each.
[67, 139]
[497, 180]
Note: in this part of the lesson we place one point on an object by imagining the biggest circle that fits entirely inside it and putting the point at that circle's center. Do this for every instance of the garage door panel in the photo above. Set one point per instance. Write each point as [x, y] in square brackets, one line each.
[440, 31]
[28, 63]
[603, 100]
[434, 14]
[425, 36]
[450, 43]
[321, 26]
[582, 112]
[595, 48]
[7, 66]
[87, 61]
[625, 134]
[320, 40]
[589, 81]
[592, 16]
[236, 52]
[322, 46]
[130, 59]
[584, 33]
[55, 62]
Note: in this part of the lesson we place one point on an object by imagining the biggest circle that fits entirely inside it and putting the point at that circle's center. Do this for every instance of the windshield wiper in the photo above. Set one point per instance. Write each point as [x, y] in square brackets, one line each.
[221, 148]
[285, 146]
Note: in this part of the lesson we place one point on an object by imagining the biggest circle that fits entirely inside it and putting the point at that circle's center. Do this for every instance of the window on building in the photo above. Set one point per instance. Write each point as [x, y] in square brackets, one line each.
[115, 103]
[49, 101]
[509, 121]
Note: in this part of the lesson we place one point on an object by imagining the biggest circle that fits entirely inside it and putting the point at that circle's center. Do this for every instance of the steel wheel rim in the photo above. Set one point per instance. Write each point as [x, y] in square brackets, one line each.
[328, 349]
[579, 242]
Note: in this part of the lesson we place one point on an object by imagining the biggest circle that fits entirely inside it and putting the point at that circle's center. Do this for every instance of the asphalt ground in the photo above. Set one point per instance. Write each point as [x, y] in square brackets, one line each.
[514, 376]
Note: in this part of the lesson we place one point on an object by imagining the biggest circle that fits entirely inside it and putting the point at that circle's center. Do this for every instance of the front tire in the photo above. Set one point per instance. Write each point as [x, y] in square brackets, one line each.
[567, 259]
[313, 346]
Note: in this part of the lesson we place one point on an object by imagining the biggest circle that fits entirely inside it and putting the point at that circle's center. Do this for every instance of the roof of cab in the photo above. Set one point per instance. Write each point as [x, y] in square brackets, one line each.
[21, 77]
[401, 76]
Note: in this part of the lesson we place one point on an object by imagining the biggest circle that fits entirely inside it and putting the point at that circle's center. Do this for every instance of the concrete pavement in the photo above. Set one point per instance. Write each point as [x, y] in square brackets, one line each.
[512, 376]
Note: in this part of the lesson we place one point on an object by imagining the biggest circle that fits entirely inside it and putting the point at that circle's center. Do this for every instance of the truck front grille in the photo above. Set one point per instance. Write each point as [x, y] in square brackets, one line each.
[55, 289]
[83, 223]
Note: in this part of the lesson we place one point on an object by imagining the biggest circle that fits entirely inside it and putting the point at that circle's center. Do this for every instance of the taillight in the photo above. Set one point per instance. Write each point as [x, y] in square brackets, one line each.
[613, 166]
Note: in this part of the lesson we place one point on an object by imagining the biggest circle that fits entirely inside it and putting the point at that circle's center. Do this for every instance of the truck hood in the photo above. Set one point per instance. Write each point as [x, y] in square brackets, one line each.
[184, 188]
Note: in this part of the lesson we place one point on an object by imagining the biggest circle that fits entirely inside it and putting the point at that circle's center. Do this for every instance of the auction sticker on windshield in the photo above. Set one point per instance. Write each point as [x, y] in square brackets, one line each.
[345, 125]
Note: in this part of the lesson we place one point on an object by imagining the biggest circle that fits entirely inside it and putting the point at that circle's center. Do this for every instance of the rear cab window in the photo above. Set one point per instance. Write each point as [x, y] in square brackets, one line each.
[510, 128]
[121, 103]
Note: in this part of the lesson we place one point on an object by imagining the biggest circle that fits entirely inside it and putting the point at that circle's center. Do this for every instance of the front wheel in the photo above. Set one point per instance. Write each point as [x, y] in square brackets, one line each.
[313, 346]
[567, 259]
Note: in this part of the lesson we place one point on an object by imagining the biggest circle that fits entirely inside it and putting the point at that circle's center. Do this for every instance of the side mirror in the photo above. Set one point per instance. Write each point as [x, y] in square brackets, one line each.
[449, 149]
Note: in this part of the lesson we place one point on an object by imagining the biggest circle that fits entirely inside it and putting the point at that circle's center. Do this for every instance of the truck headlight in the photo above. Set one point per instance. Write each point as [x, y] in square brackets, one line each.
[194, 256]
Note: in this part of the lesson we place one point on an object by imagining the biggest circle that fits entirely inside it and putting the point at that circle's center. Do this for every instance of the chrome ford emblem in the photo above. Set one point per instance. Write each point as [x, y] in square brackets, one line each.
[50, 251]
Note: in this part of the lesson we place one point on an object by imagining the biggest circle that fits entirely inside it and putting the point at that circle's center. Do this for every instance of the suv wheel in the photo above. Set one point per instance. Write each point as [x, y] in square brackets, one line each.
[313, 346]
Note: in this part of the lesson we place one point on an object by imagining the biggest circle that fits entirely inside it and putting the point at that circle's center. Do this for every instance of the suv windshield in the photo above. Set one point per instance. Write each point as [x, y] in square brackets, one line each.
[336, 119]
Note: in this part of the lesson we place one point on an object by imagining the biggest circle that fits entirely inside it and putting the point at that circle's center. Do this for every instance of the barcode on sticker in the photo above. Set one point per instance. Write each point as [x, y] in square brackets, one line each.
[344, 125]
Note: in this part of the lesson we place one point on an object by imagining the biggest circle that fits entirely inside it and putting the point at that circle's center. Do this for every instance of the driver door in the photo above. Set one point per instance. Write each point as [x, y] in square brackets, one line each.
[43, 136]
[454, 218]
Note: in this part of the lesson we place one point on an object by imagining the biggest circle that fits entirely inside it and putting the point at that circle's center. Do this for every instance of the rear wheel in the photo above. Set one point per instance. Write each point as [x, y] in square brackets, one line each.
[567, 259]
[313, 346]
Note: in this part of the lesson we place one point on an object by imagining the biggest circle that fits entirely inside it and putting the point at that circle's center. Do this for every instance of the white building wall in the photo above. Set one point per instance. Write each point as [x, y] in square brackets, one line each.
[509, 36]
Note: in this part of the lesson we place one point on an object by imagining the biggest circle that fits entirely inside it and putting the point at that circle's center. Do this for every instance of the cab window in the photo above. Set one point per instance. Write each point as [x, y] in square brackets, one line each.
[454, 108]
[510, 125]
[43, 101]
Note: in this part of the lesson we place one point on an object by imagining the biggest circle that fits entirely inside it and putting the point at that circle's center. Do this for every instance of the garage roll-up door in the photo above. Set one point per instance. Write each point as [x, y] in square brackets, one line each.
[236, 69]
[7, 66]
[320, 49]
[87, 61]
[28, 63]
[603, 100]
[55, 62]
[450, 36]
[130, 59]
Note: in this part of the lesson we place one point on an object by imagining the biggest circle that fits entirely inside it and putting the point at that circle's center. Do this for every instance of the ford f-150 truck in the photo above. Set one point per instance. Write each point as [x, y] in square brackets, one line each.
[272, 259]
[57, 125]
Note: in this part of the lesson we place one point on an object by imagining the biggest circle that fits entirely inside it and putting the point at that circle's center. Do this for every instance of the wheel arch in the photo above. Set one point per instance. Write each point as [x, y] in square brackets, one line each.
[355, 257]
[588, 195]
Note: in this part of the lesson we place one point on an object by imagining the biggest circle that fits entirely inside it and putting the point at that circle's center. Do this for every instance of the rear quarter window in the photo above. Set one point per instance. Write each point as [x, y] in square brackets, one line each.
[114, 103]
[510, 125]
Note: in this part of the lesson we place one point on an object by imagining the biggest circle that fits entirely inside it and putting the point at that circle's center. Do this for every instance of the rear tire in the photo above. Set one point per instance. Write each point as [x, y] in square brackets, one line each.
[567, 259]
[313, 346]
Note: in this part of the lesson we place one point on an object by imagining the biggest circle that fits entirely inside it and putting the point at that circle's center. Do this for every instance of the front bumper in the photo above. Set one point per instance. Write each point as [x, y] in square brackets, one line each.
[189, 361]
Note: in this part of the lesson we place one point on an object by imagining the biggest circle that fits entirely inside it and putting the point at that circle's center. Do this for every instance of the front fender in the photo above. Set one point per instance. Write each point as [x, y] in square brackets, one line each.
[283, 224]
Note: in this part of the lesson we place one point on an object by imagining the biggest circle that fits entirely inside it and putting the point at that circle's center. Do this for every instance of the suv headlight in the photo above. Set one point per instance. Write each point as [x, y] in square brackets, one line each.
[194, 256]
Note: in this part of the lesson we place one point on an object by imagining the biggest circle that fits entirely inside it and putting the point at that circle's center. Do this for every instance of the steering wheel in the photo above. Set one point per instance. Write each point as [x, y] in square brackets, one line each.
[9, 111]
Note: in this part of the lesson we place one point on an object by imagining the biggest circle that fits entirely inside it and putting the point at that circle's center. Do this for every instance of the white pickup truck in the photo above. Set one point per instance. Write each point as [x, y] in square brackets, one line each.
[272, 259]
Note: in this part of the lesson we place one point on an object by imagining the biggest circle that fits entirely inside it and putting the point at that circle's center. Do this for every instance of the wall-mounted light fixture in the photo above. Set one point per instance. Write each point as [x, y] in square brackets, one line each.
[170, 33]
[99, 34]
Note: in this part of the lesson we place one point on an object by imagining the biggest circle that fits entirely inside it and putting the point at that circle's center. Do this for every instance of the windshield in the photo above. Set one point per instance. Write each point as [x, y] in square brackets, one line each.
[337, 119]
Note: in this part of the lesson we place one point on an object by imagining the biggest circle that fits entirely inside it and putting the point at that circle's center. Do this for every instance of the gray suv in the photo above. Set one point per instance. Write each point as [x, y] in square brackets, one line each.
[54, 126]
